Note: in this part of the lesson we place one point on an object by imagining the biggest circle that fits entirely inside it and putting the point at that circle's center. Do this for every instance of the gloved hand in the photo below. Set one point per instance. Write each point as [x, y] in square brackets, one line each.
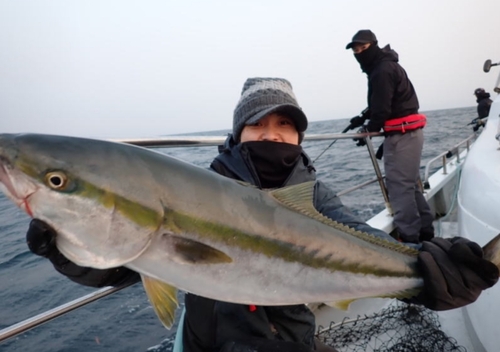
[479, 123]
[426, 234]
[41, 240]
[454, 273]
[360, 141]
[357, 121]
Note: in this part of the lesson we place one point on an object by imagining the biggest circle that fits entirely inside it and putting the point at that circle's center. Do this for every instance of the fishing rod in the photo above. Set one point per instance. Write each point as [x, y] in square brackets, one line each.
[323, 152]
[474, 121]
[351, 126]
[478, 122]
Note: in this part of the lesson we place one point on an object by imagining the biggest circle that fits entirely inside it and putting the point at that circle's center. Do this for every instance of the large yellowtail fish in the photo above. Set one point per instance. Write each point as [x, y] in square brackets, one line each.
[181, 226]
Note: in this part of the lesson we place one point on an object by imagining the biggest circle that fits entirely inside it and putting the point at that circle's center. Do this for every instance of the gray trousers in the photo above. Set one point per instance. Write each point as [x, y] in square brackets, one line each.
[402, 155]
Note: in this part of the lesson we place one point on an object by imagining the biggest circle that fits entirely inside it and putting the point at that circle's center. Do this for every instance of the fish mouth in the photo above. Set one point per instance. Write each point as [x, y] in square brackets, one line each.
[20, 198]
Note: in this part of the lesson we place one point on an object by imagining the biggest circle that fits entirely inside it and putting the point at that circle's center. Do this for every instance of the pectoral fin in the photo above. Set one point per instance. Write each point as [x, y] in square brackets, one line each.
[194, 252]
[163, 298]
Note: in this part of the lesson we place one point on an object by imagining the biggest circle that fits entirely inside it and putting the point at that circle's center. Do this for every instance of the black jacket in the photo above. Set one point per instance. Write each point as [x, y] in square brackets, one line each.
[483, 105]
[210, 324]
[390, 93]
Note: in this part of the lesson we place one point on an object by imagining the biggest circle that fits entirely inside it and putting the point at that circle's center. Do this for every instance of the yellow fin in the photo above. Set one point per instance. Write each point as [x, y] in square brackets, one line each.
[492, 251]
[163, 298]
[341, 305]
[194, 252]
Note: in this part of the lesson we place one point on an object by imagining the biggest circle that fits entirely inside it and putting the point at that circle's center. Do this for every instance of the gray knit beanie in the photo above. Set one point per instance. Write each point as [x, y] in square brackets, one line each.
[263, 96]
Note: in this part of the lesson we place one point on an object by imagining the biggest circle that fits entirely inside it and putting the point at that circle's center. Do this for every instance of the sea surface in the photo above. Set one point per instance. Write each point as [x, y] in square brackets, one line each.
[125, 321]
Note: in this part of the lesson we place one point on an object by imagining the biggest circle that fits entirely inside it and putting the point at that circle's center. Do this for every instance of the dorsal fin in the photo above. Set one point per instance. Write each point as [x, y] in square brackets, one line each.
[300, 198]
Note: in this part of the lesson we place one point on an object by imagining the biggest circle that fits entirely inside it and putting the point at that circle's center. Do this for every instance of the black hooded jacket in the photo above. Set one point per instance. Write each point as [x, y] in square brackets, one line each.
[210, 324]
[390, 93]
[483, 105]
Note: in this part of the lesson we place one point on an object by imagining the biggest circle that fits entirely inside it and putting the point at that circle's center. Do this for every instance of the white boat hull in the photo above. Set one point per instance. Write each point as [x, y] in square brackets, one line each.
[479, 220]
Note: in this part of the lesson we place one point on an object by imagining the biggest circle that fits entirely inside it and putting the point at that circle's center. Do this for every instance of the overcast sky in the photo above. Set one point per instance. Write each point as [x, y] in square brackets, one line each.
[122, 69]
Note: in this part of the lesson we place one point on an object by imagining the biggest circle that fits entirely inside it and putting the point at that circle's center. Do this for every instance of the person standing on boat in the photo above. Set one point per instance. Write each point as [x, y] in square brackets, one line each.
[393, 106]
[264, 149]
[484, 102]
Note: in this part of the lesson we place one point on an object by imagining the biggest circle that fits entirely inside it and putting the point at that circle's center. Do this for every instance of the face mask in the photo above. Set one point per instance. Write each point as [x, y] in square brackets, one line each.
[367, 57]
[273, 161]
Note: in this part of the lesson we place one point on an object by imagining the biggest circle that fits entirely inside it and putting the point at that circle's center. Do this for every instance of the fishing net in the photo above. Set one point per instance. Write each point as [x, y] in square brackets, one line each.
[398, 328]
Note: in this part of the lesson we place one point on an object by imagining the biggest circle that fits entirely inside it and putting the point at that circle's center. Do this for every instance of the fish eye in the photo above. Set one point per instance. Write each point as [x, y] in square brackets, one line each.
[56, 180]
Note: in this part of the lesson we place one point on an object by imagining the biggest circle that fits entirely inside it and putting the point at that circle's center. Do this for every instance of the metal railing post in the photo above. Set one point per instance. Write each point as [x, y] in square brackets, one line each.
[378, 173]
[47, 316]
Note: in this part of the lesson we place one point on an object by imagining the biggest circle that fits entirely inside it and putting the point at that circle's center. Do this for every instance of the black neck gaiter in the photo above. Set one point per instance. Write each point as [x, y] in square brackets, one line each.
[273, 161]
[367, 58]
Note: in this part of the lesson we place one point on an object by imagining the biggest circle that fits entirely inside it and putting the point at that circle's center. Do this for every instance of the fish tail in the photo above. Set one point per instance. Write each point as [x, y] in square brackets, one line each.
[492, 251]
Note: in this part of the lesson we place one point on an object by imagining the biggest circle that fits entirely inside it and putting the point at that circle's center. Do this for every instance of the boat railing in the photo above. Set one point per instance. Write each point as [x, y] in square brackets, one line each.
[200, 141]
[53, 313]
[455, 151]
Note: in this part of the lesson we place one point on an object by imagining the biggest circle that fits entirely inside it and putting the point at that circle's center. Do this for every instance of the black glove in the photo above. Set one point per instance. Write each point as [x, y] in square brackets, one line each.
[454, 273]
[357, 121]
[41, 240]
[360, 141]
[426, 234]
[479, 123]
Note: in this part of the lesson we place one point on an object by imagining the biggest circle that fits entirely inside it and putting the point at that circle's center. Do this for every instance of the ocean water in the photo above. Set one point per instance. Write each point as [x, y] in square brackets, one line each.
[125, 321]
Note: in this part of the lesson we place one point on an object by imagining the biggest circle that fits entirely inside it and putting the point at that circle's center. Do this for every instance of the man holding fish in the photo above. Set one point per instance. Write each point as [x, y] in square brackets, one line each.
[263, 150]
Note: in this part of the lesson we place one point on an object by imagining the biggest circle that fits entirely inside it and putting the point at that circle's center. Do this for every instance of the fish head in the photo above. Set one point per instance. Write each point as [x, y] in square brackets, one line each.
[61, 181]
